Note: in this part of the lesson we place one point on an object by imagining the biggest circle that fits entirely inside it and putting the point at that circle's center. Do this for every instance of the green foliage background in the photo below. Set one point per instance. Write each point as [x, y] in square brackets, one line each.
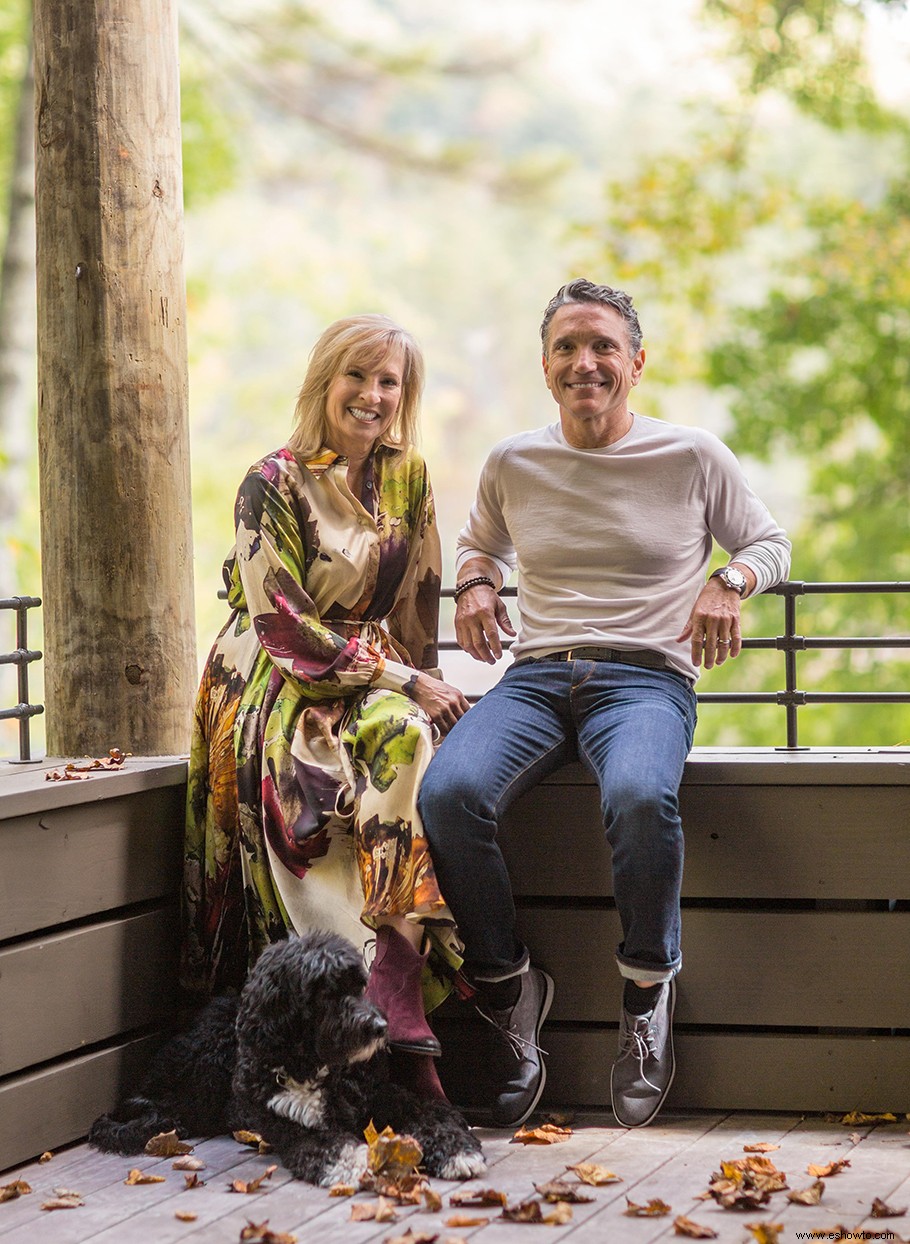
[750, 188]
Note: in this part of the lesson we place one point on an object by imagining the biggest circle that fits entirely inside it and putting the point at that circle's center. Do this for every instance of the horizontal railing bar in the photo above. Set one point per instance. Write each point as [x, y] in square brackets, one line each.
[793, 587]
[22, 656]
[21, 712]
[20, 602]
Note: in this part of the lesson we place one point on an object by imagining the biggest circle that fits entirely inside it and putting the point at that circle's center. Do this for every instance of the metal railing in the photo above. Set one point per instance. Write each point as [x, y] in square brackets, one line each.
[22, 658]
[791, 699]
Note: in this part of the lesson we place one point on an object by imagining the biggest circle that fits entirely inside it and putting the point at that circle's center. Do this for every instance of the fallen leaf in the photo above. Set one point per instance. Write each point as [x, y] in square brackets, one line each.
[466, 1220]
[654, 1209]
[363, 1211]
[259, 1233]
[252, 1185]
[761, 1146]
[856, 1118]
[342, 1190]
[881, 1210]
[188, 1164]
[46, 1156]
[185, 1215]
[740, 1198]
[193, 1181]
[765, 1232]
[526, 1211]
[432, 1201]
[136, 1177]
[478, 1198]
[808, 1196]
[693, 1230]
[594, 1175]
[559, 1190]
[167, 1145]
[829, 1168]
[63, 1199]
[546, 1134]
[9, 1192]
[559, 1215]
[391, 1155]
[248, 1138]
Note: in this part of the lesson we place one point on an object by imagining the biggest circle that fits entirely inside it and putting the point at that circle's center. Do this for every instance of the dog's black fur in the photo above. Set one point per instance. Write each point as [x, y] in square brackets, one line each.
[300, 1058]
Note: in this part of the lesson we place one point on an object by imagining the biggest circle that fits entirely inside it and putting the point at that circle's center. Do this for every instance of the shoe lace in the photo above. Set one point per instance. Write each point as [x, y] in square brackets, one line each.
[517, 1042]
[638, 1042]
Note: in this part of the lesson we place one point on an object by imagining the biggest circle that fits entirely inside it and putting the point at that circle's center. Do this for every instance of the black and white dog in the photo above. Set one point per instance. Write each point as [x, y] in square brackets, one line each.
[299, 1058]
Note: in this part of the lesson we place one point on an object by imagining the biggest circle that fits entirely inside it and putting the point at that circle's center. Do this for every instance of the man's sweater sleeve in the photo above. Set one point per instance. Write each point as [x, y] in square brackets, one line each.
[739, 520]
[485, 534]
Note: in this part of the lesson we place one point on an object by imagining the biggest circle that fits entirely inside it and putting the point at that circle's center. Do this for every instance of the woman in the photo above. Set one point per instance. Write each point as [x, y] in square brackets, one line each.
[320, 699]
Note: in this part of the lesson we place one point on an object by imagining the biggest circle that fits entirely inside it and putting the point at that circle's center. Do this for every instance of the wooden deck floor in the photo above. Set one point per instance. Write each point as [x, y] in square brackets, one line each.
[672, 1160]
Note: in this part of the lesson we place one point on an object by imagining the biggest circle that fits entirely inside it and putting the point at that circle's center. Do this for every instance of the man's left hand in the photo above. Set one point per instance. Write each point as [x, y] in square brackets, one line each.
[713, 626]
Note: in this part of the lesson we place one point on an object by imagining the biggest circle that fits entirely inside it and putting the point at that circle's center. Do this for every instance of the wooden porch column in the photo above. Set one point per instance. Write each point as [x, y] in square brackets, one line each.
[112, 389]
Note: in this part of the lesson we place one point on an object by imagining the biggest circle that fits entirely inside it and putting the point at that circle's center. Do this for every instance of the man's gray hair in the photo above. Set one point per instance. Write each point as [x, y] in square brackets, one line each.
[581, 290]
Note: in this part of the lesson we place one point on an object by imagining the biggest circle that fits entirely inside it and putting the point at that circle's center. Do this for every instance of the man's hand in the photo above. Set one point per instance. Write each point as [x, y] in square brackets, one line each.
[713, 626]
[442, 703]
[479, 616]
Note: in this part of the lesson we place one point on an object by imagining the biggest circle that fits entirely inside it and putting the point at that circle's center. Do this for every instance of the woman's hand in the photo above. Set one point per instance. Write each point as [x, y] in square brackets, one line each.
[443, 704]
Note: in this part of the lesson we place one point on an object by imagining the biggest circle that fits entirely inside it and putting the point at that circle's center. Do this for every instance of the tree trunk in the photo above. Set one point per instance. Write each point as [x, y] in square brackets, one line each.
[17, 332]
[112, 402]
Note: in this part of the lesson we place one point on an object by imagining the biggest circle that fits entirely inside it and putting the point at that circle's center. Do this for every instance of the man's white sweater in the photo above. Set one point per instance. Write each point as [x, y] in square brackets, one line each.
[612, 545]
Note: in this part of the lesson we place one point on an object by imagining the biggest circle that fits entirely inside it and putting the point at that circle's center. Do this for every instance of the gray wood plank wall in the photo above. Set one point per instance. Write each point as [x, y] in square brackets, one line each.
[89, 940]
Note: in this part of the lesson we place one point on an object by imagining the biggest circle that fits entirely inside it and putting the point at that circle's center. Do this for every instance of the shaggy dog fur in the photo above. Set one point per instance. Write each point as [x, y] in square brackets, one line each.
[300, 1058]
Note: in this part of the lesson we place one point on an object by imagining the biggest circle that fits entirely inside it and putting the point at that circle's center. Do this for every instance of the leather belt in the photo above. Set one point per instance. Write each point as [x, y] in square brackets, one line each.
[625, 656]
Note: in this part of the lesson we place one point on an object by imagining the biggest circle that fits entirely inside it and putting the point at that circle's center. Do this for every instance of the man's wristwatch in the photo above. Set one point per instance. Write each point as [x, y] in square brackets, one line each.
[731, 577]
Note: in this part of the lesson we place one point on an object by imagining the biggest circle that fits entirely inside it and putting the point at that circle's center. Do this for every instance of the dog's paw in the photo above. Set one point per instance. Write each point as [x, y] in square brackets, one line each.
[347, 1167]
[467, 1165]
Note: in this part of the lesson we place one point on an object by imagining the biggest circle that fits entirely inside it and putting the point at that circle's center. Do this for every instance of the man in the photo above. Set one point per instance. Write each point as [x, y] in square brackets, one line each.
[610, 518]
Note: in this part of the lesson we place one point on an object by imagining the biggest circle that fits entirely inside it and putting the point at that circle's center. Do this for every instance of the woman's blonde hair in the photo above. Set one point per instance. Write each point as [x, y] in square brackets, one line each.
[367, 341]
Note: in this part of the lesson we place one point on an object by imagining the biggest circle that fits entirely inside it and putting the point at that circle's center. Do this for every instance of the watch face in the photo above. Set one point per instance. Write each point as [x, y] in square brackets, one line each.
[733, 578]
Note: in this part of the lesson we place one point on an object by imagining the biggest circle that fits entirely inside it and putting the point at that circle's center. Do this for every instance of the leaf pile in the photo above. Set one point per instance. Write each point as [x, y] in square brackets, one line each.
[73, 772]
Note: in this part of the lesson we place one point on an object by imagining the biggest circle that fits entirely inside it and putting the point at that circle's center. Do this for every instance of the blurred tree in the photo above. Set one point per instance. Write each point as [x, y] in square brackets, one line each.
[795, 305]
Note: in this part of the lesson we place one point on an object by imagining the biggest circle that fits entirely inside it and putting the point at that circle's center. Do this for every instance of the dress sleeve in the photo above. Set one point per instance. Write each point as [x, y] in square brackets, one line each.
[414, 619]
[271, 564]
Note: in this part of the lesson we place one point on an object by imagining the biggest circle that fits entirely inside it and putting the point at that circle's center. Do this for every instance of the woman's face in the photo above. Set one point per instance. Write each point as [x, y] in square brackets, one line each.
[361, 404]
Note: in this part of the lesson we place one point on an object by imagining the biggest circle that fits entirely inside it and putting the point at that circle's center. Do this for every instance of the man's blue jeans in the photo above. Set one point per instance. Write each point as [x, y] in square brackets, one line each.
[633, 729]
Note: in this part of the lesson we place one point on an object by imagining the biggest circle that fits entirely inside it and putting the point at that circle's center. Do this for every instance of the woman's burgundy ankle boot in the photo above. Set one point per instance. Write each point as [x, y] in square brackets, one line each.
[394, 986]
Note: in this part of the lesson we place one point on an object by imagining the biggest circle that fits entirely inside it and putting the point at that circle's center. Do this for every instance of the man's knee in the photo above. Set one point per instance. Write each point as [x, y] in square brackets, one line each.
[449, 788]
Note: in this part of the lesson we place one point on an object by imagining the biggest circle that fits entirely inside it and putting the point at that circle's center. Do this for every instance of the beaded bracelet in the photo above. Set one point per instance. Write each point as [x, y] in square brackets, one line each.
[475, 582]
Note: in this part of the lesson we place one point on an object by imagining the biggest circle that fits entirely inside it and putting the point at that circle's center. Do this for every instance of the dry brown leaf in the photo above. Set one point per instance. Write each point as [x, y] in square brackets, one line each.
[856, 1118]
[478, 1198]
[374, 1211]
[193, 1181]
[407, 1189]
[559, 1190]
[412, 1237]
[526, 1211]
[391, 1155]
[559, 1215]
[432, 1201]
[740, 1198]
[9, 1192]
[252, 1185]
[188, 1164]
[136, 1177]
[46, 1156]
[594, 1175]
[167, 1145]
[822, 1171]
[466, 1220]
[56, 776]
[881, 1210]
[545, 1134]
[259, 1233]
[185, 1215]
[64, 1199]
[693, 1230]
[342, 1190]
[761, 1146]
[765, 1232]
[808, 1196]
[248, 1138]
[654, 1209]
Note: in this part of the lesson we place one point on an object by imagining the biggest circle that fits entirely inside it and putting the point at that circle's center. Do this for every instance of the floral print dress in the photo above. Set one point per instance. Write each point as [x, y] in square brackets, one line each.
[307, 754]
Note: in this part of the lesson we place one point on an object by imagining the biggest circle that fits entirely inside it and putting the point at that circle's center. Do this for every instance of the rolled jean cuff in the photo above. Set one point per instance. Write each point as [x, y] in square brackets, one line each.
[647, 975]
[489, 977]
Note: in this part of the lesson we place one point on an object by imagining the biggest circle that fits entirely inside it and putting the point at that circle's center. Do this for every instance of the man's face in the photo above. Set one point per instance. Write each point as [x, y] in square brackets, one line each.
[587, 364]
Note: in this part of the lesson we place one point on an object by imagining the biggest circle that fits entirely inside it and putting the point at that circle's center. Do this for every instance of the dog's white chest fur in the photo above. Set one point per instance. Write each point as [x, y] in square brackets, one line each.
[303, 1104]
